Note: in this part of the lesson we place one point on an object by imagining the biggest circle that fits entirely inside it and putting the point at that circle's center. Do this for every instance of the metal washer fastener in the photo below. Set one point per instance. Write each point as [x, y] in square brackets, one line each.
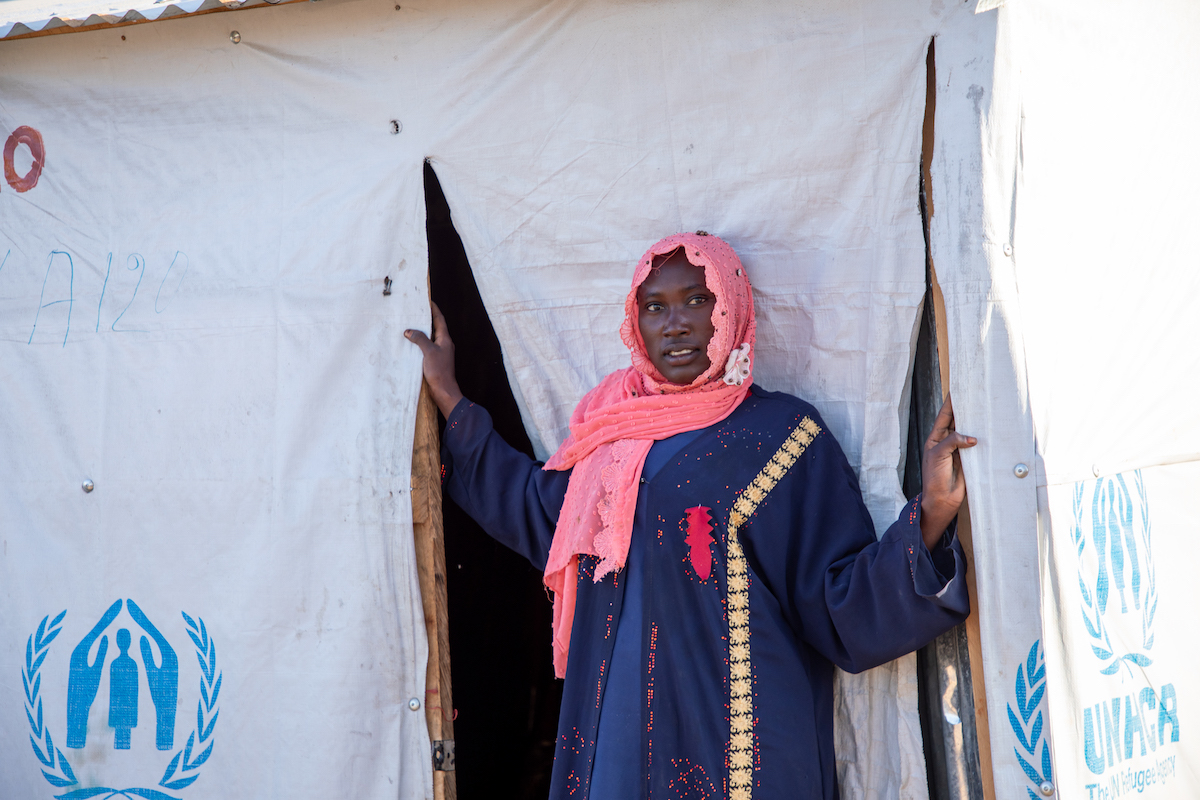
[88, 485]
[1047, 789]
[1020, 470]
[235, 37]
[414, 704]
[1007, 249]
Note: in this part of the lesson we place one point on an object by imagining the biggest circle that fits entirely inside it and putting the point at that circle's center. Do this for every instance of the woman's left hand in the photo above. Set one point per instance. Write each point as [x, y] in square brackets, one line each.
[943, 487]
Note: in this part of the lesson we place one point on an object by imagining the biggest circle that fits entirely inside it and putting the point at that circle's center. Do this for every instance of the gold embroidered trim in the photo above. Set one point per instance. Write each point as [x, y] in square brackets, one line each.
[741, 689]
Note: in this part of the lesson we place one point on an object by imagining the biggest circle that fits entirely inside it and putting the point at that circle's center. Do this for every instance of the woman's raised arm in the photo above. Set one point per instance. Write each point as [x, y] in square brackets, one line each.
[508, 493]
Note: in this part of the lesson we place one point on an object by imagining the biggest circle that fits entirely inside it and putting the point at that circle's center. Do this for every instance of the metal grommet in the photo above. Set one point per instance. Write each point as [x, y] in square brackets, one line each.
[1096, 470]
[1020, 470]
[88, 486]
[1047, 789]
[235, 37]
[1007, 249]
[414, 704]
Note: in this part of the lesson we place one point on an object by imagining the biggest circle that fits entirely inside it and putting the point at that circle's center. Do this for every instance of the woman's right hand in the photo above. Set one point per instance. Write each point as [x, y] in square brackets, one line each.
[438, 365]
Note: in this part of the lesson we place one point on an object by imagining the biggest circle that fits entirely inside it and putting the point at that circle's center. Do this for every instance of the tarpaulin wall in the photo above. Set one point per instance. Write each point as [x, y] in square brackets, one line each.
[1062, 237]
[1104, 227]
[193, 319]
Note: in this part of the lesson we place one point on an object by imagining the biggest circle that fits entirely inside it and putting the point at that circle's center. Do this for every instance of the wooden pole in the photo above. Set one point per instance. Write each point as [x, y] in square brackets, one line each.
[974, 643]
[431, 572]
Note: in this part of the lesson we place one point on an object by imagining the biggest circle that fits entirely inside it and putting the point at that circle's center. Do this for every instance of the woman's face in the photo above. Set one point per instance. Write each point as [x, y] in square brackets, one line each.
[675, 319]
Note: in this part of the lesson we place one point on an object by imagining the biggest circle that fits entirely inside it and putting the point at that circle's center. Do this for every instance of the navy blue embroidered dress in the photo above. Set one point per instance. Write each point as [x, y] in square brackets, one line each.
[704, 669]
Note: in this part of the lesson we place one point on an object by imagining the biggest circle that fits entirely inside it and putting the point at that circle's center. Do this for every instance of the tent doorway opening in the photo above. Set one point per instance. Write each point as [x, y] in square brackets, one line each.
[506, 698]
[505, 695]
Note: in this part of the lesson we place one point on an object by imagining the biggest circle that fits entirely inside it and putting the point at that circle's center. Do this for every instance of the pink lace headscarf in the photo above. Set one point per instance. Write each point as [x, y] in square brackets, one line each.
[614, 426]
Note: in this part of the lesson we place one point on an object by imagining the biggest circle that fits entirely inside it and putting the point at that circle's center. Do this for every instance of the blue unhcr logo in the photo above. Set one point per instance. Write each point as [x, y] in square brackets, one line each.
[162, 680]
[1116, 572]
[1131, 733]
[84, 681]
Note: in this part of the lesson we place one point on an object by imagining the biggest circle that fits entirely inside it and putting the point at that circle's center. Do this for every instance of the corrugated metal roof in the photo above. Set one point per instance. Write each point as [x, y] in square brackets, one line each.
[23, 18]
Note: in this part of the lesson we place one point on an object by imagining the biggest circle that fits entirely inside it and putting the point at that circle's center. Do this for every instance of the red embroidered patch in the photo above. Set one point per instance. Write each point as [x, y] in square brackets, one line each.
[699, 526]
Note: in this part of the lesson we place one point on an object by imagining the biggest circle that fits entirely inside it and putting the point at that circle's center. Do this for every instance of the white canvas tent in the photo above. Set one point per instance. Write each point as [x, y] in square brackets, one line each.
[198, 218]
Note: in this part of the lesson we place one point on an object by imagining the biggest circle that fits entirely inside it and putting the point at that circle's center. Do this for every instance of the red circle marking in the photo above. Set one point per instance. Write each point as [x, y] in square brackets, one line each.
[33, 140]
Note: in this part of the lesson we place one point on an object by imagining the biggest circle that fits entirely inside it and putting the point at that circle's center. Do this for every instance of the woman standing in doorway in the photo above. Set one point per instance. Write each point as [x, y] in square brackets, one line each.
[708, 549]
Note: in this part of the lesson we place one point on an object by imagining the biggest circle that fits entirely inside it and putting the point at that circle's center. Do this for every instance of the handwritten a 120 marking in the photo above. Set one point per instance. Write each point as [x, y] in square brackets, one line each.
[59, 280]
[121, 290]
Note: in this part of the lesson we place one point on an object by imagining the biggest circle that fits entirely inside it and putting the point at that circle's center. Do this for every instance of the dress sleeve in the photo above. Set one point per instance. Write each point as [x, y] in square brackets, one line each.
[858, 601]
[509, 494]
